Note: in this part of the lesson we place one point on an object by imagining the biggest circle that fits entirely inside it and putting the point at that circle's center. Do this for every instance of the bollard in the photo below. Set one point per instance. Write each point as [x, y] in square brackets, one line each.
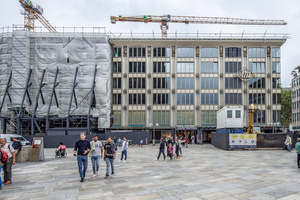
[146, 141]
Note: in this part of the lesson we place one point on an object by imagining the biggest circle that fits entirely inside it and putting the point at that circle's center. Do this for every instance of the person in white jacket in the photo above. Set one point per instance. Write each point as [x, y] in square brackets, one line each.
[124, 150]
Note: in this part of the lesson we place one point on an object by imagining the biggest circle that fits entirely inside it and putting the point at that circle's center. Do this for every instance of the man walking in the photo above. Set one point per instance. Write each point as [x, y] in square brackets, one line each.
[288, 142]
[193, 139]
[124, 150]
[162, 145]
[82, 148]
[110, 150]
[179, 146]
[96, 148]
[7, 167]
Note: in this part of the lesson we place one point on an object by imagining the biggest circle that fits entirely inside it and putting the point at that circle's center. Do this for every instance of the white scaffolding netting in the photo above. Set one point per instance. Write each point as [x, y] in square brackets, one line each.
[65, 53]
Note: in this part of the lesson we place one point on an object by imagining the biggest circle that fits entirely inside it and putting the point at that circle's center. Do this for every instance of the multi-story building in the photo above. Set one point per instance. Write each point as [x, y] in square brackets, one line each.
[178, 85]
[295, 86]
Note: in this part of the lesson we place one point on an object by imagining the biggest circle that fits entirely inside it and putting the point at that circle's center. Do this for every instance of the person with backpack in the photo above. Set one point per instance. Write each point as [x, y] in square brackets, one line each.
[110, 150]
[10, 157]
[17, 145]
[124, 150]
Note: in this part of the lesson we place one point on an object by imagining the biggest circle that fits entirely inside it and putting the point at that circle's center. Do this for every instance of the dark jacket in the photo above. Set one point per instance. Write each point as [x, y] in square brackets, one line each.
[170, 141]
[162, 145]
[81, 146]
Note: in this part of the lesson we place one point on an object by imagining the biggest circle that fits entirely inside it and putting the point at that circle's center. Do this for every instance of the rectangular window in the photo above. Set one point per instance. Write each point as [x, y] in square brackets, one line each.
[229, 113]
[209, 83]
[185, 117]
[276, 98]
[208, 117]
[258, 83]
[117, 67]
[117, 118]
[185, 52]
[209, 52]
[237, 114]
[137, 83]
[185, 67]
[233, 83]
[137, 52]
[257, 67]
[161, 117]
[257, 52]
[209, 67]
[185, 83]
[117, 83]
[276, 52]
[161, 98]
[117, 100]
[161, 83]
[161, 67]
[161, 52]
[137, 67]
[136, 117]
[117, 52]
[277, 116]
[257, 98]
[276, 67]
[233, 52]
[137, 99]
[233, 67]
[209, 98]
[276, 82]
[185, 98]
[233, 99]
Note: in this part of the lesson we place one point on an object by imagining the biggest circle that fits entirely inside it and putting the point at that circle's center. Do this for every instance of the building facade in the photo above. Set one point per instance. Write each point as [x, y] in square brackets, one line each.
[177, 86]
[295, 86]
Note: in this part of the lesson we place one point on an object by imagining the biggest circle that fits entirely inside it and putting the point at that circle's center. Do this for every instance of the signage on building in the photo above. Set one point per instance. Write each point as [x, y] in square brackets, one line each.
[245, 74]
[242, 141]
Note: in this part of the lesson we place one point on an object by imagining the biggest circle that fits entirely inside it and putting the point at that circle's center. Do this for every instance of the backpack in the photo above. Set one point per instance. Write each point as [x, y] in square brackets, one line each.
[4, 156]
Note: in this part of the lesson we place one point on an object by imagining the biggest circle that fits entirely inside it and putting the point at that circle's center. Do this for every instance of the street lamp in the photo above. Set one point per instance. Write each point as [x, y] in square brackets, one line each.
[154, 133]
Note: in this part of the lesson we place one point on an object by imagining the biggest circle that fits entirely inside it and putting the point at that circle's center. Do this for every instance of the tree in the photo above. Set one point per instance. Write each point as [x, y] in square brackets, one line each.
[286, 107]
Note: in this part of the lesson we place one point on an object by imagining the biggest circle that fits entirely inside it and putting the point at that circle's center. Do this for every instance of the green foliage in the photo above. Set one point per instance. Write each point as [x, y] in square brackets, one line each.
[286, 107]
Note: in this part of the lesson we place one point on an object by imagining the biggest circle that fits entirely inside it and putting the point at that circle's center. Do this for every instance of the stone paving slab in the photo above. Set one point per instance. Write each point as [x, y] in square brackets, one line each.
[203, 172]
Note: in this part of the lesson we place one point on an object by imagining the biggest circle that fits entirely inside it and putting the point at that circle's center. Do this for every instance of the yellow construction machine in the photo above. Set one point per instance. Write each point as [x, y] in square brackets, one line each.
[252, 129]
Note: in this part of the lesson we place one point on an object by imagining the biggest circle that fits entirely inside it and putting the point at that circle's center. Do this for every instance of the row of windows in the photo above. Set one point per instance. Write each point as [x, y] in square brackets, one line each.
[187, 52]
[295, 105]
[185, 99]
[135, 99]
[137, 83]
[233, 99]
[209, 83]
[161, 83]
[257, 83]
[276, 98]
[260, 117]
[185, 83]
[206, 67]
[161, 99]
[296, 117]
[233, 67]
[296, 82]
[209, 99]
[237, 114]
[296, 93]
[257, 98]
[233, 83]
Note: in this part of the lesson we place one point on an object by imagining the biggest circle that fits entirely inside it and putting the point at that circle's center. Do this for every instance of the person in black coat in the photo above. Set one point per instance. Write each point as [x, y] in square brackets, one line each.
[161, 145]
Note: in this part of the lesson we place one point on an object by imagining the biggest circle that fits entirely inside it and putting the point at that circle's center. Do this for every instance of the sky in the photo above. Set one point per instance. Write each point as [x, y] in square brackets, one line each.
[96, 13]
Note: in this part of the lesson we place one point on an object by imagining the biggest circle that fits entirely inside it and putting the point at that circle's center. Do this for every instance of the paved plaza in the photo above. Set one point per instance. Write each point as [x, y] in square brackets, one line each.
[204, 172]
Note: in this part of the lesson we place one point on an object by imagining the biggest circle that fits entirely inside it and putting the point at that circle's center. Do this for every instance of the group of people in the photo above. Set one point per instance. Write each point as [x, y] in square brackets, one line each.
[169, 143]
[96, 151]
[8, 159]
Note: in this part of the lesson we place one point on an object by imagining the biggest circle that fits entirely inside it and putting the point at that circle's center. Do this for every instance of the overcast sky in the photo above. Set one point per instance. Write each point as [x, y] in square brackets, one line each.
[92, 13]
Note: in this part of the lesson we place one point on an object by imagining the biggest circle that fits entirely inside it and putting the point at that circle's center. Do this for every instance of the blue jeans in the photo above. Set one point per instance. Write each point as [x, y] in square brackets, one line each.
[96, 163]
[82, 160]
[0, 177]
[109, 161]
[288, 147]
[163, 152]
[124, 153]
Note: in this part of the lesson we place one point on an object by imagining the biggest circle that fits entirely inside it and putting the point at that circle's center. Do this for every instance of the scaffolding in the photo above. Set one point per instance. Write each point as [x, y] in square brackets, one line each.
[57, 81]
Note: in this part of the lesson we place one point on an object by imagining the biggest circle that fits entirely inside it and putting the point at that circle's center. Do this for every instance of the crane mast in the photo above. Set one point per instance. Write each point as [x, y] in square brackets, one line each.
[165, 19]
[32, 12]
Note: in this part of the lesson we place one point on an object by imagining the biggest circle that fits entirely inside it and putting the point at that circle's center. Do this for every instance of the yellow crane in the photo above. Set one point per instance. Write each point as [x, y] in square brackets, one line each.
[165, 19]
[251, 130]
[32, 12]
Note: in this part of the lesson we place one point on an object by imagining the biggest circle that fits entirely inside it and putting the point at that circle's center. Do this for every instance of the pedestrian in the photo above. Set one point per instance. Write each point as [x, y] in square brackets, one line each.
[179, 146]
[119, 141]
[1, 165]
[141, 142]
[297, 148]
[7, 167]
[61, 150]
[193, 139]
[161, 149]
[17, 145]
[96, 149]
[115, 140]
[170, 151]
[186, 142]
[110, 150]
[82, 149]
[288, 142]
[170, 141]
[124, 150]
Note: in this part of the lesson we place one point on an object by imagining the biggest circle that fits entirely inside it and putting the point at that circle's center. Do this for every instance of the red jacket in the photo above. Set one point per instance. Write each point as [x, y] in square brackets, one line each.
[186, 141]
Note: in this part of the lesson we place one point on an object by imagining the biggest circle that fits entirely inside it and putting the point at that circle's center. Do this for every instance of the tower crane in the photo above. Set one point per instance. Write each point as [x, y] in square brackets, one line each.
[165, 19]
[32, 12]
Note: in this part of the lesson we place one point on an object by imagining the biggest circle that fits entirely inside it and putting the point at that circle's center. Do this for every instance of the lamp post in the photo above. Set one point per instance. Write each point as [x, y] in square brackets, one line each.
[154, 133]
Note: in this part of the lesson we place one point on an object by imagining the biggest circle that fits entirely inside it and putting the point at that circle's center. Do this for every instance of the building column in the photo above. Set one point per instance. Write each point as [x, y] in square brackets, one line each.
[173, 88]
[149, 87]
[124, 91]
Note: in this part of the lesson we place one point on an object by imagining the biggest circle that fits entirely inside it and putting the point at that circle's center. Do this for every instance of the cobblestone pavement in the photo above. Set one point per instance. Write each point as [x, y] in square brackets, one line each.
[203, 172]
